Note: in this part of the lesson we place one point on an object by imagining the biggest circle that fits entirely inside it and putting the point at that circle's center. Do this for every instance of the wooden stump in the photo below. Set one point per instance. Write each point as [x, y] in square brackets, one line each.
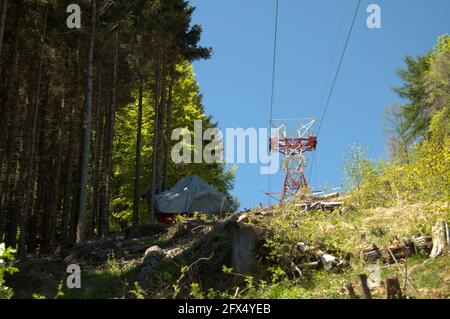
[393, 290]
[440, 235]
[365, 291]
[351, 291]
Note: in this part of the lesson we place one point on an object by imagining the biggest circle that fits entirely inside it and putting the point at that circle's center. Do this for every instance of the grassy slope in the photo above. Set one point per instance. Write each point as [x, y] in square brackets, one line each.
[351, 231]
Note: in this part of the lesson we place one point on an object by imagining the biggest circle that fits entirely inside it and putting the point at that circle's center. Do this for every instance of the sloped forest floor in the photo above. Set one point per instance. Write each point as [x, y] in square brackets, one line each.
[193, 258]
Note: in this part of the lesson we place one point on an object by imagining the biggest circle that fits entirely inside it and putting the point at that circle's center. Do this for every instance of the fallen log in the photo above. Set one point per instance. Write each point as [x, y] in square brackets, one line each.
[421, 244]
[321, 205]
[317, 256]
[372, 253]
[400, 250]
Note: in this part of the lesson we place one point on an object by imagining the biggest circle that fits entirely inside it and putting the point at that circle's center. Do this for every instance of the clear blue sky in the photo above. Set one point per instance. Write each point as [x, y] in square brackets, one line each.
[236, 82]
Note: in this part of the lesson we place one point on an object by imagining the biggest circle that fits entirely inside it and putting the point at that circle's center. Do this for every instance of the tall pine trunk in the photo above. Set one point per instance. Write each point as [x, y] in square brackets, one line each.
[109, 143]
[168, 129]
[153, 182]
[55, 206]
[162, 110]
[8, 129]
[67, 194]
[137, 173]
[2, 25]
[96, 150]
[26, 206]
[86, 128]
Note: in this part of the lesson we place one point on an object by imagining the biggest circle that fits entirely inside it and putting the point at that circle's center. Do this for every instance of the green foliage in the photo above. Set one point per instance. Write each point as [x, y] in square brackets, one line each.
[426, 88]
[137, 292]
[425, 177]
[437, 79]
[6, 260]
[187, 107]
[414, 117]
[363, 178]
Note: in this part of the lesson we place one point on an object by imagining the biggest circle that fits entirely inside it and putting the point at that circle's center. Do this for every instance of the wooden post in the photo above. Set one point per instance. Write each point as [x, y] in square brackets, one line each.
[365, 291]
[393, 290]
[351, 291]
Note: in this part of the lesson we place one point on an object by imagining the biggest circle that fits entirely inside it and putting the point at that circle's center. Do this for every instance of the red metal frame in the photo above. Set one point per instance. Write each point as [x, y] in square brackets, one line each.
[294, 163]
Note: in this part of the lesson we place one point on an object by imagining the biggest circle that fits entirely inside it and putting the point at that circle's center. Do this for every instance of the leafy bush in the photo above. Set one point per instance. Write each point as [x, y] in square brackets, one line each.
[424, 178]
[6, 259]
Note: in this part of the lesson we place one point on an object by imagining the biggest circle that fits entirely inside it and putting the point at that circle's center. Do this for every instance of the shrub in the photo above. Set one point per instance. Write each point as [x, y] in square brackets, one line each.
[424, 178]
[6, 259]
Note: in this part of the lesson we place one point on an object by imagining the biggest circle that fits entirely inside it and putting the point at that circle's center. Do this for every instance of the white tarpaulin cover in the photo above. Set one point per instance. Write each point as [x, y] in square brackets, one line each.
[189, 195]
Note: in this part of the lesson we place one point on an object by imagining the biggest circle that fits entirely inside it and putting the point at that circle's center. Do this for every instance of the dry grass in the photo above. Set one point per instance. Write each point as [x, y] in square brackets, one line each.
[352, 231]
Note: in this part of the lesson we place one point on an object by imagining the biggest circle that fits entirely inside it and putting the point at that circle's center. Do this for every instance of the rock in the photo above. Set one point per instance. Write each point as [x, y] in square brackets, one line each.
[243, 252]
[232, 218]
[229, 226]
[152, 256]
[243, 219]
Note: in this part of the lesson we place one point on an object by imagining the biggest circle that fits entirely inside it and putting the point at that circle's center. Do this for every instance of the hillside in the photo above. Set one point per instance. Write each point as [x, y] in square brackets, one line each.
[117, 181]
[195, 258]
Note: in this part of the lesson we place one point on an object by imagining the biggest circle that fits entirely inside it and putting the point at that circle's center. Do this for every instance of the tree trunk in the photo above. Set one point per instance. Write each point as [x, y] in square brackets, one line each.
[137, 173]
[8, 128]
[65, 214]
[151, 198]
[440, 239]
[59, 160]
[96, 150]
[168, 129]
[108, 154]
[161, 114]
[26, 206]
[43, 211]
[2, 25]
[86, 128]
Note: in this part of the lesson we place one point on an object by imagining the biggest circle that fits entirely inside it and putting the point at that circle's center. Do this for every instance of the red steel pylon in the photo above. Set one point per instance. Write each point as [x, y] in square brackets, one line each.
[292, 143]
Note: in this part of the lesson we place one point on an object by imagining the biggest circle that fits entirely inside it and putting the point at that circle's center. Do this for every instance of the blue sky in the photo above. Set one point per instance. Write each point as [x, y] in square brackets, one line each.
[236, 82]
